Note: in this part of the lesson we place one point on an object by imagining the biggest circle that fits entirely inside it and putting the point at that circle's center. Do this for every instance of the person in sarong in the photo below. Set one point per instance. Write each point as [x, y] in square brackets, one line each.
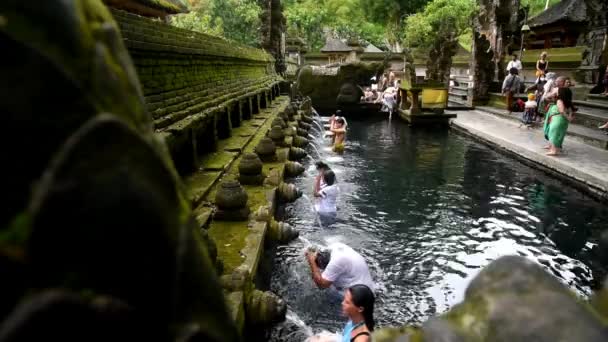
[557, 120]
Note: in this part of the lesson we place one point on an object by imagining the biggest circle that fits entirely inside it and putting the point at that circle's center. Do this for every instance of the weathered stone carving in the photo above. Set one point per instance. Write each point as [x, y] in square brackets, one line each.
[231, 201]
[299, 141]
[512, 299]
[250, 170]
[282, 232]
[288, 192]
[87, 187]
[266, 150]
[293, 168]
[296, 153]
[277, 135]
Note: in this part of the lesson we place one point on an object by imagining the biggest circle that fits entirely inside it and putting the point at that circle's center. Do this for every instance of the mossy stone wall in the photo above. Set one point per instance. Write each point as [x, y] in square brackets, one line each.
[195, 85]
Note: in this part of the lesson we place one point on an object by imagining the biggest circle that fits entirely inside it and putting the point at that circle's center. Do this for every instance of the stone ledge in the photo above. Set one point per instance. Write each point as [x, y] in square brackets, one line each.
[572, 171]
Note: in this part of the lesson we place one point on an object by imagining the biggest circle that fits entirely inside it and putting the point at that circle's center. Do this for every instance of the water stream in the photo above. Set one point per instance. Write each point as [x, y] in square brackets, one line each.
[428, 209]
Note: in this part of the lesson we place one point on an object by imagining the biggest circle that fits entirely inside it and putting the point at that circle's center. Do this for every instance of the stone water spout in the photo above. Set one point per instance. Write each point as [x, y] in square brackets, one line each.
[231, 202]
[262, 308]
[279, 122]
[301, 132]
[284, 232]
[250, 170]
[296, 153]
[277, 135]
[266, 150]
[304, 125]
[293, 168]
[288, 192]
[299, 141]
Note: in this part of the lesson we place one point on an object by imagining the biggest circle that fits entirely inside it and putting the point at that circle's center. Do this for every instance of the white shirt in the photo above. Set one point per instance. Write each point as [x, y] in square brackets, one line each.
[329, 197]
[347, 268]
[514, 64]
[530, 104]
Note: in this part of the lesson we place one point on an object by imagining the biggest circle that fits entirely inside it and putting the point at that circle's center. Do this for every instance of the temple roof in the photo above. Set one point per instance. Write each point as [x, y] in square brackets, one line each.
[566, 10]
[149, 8]
[335, 45]
[372, 48]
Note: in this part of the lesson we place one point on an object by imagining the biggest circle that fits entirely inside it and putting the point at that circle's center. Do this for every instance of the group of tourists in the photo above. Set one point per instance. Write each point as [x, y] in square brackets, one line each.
[384, 91]
[550, 97]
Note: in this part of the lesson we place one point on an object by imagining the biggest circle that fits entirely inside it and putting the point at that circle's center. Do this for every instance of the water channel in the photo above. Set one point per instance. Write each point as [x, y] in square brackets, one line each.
[428, 208]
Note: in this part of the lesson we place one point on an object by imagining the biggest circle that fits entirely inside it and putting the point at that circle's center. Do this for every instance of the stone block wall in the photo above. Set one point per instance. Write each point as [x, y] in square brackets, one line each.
[196, 87]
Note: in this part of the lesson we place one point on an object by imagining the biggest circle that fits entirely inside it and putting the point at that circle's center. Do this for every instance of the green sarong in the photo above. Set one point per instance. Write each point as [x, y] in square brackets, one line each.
[557, 129]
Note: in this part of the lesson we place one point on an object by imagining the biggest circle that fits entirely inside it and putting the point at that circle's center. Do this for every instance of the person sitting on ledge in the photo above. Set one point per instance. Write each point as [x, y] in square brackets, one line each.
[510, 87]
[339, 266]
[339, 132]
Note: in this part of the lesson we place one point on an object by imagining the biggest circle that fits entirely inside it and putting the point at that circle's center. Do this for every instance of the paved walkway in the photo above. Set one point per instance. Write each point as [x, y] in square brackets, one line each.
[586, 165]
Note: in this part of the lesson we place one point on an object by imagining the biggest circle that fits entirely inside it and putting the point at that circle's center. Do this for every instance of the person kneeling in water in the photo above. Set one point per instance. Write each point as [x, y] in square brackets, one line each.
[339, 135]
[342, 267]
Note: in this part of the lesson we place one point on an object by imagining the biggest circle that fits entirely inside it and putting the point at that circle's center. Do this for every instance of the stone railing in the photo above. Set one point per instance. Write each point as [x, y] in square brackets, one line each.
[197, 87]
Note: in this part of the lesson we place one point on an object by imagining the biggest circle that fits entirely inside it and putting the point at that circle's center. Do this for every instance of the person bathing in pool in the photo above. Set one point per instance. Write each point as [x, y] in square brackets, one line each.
[339, 132]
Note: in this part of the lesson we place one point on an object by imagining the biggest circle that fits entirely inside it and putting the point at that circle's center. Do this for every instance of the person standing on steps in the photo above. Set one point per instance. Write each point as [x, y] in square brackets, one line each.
[510, 87]
[358, 306]
[542, 65]
[514, 63]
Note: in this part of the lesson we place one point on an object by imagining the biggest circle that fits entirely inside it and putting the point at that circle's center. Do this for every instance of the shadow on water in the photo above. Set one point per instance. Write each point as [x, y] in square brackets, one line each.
[428, 209]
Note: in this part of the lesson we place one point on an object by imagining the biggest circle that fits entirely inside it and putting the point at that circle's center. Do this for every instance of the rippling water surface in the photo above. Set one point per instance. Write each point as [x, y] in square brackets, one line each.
[429, 208]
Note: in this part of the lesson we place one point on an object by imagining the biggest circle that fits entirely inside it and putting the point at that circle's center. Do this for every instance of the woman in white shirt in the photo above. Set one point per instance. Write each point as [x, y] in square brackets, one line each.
[328, 196]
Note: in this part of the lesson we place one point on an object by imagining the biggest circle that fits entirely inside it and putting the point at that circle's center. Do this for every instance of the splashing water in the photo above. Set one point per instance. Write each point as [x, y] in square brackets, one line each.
[316, 150]
[312, 207]
[319, 126]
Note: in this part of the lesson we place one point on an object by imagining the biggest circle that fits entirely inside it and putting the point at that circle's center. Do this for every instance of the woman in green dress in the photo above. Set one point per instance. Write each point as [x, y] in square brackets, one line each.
[557, 119]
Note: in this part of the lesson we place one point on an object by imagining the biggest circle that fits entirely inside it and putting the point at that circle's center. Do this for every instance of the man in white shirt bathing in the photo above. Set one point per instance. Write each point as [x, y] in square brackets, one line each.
[340, 266]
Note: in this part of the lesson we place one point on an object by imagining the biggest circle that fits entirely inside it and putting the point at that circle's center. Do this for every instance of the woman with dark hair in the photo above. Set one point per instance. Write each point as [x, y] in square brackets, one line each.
[558, 117]
[358, 306]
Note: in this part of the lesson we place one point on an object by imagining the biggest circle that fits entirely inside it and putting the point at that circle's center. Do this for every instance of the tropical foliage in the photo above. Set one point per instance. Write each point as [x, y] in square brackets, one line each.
[238, 20]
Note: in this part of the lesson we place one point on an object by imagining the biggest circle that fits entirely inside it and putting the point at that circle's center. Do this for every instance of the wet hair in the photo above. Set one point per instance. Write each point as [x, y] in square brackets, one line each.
[329, 177]
[565, 94]
[322, 258]
[363, 297]
[322, 166]
[340, 121]
[513, 71]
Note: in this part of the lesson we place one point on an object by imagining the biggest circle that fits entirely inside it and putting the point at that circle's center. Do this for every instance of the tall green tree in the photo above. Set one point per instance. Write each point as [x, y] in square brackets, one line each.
[237, 20]
[391, 14]
[436, 30]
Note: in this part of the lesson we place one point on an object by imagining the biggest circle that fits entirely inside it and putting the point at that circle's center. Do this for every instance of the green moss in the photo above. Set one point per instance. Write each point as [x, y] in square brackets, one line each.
[230, 239]
[200, 183]
[217, 161]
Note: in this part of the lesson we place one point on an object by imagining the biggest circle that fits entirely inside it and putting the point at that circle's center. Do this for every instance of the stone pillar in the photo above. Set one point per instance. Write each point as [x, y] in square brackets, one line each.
[496, 24]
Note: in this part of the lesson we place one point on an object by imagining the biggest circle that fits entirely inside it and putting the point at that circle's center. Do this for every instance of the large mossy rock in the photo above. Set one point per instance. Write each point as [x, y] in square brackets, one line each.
[96, 207]
[330, 87]
[512, 299]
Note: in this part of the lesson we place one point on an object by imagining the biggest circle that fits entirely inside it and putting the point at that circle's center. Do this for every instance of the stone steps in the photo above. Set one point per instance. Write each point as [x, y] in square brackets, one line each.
[586, 135]
[597, 98]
